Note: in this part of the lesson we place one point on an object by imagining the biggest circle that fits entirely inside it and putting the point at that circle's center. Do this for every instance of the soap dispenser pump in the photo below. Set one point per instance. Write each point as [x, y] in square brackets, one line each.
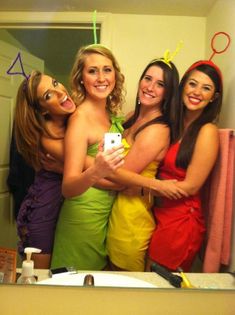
[27, 275]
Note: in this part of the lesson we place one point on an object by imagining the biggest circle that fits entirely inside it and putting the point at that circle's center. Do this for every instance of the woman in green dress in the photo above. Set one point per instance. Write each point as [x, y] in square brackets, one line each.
[97, 89]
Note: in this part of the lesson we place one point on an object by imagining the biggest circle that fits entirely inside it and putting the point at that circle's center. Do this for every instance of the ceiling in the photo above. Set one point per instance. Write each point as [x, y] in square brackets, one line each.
[154, 7]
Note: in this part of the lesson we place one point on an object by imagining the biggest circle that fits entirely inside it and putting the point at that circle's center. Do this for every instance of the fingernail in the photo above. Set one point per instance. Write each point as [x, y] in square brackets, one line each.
[120, 150]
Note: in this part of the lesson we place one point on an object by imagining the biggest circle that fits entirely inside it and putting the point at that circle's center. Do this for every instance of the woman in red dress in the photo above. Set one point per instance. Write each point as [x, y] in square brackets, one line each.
[195, 143]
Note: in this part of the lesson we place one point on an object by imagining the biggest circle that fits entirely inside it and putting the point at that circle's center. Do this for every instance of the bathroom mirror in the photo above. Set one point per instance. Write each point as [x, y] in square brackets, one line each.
[21, 31]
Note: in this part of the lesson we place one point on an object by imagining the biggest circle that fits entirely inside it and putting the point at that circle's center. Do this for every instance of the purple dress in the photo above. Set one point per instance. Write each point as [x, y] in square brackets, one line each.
[36, 221]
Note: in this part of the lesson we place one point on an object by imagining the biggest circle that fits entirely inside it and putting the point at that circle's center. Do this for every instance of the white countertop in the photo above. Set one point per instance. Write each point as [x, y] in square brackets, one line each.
[198, 280]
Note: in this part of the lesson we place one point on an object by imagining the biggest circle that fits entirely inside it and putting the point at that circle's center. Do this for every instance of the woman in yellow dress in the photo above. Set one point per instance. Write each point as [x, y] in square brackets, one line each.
[147, 137]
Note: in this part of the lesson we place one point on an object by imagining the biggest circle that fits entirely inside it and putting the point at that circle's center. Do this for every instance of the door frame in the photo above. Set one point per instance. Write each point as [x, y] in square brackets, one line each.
[9, 87]
[66, 20]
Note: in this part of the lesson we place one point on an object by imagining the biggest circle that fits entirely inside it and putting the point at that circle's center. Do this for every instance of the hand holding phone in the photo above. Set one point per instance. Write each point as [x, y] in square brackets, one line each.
[112, 139]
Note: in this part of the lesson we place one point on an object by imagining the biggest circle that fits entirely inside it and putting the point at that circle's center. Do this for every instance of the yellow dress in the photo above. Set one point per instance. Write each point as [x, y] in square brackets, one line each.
[131, 225]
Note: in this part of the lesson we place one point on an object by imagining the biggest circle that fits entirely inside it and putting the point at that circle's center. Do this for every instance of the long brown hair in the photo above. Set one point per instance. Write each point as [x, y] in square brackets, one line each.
[171, 82]
[210, 114]
[29, 122]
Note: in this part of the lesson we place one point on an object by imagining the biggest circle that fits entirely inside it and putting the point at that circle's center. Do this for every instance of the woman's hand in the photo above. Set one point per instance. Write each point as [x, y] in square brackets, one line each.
[51, 164]
[167, 188]
[107, 162]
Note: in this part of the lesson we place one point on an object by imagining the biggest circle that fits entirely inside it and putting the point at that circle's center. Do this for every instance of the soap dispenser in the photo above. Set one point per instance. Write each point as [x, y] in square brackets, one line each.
[27, 275]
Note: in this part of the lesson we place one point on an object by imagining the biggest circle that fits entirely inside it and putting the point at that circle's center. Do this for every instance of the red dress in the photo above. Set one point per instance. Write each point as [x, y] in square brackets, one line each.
[180, 223]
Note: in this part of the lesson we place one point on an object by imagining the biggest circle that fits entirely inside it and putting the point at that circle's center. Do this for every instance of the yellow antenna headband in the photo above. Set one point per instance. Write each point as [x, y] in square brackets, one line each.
[168, 57]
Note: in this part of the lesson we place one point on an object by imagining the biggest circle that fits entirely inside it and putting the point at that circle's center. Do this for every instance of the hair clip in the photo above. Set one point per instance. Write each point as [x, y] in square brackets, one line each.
[25, 84]
[167, 57]
[215, 51]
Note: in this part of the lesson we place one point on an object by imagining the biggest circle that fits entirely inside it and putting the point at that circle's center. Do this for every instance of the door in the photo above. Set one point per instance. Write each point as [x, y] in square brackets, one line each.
[10, 56]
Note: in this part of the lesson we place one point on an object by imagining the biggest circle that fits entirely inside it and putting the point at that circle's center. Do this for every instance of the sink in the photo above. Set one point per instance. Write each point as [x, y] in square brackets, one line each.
[101, 279]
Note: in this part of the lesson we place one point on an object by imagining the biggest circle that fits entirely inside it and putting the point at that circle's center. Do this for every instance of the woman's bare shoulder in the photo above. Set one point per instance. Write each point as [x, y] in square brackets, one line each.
[78, 114]
[158, 129]
[209, 129]
[208, 136]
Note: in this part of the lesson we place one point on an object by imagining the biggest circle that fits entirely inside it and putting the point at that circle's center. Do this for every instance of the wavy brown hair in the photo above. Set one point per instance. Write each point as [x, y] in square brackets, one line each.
[116, 99]
[29, 122]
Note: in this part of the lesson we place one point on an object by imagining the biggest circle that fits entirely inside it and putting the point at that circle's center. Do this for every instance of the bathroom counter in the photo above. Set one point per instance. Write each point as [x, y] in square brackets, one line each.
[199, 280]
[215, 295]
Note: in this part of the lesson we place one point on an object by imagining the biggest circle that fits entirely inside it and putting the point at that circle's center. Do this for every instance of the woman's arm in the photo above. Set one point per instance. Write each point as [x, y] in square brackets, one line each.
[203, 159]
[52, 157]
[102, 183]
[156, 187]
[75, 180]
[53, 147]
[151, 144]
[108, 185]
[166, 188]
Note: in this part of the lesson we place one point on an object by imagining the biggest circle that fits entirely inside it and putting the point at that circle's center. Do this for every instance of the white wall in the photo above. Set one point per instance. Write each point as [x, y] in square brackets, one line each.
[137, 39]
[221, 18]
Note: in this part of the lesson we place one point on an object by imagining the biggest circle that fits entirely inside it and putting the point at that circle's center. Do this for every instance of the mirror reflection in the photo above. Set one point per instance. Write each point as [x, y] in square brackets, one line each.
[61, 75]
[36, 52]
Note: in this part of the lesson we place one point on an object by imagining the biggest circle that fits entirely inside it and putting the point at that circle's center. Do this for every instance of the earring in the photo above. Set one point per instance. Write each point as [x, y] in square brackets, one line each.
[81, 82]
[215, 96]
[138, 102]
[45, 113]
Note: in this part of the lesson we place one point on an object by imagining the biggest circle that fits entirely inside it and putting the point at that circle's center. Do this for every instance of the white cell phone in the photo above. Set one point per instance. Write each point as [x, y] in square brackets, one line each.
[112, 139]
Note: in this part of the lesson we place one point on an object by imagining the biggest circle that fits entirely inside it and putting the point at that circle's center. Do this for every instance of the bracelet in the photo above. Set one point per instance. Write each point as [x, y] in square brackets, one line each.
[142, 191]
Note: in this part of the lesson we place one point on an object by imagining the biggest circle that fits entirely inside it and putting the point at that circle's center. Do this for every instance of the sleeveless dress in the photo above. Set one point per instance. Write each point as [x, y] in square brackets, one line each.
[131, 225]
[38, 214]
[82, 226]
[180, 223]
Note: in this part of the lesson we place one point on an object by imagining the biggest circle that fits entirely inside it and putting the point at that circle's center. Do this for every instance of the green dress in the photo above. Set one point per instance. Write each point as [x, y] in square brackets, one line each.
[80, 238]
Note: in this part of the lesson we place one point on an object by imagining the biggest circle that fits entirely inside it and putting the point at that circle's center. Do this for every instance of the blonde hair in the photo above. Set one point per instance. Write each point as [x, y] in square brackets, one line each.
[116, 99]
[29, 122]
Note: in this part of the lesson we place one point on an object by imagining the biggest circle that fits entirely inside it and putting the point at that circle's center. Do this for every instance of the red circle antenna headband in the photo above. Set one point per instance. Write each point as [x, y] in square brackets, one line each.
[215, 51]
